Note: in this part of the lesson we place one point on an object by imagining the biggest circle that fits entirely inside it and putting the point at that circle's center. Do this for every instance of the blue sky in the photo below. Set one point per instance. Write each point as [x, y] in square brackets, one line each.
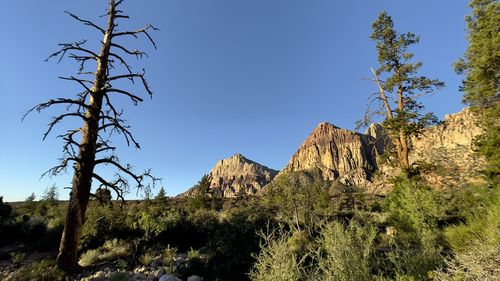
[229, 76]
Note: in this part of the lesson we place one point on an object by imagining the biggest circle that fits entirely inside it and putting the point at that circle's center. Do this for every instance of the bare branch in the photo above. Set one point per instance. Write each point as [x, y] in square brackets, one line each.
[77, 46]
[57, 119]
[86, 22]
[135, 99]
[139, 31]
[119, 185]
[122, 61]
[134, 75]
[56, 170]
[135, 52]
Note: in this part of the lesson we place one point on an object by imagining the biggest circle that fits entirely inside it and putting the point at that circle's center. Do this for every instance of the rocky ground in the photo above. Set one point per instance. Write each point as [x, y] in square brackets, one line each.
[156, 271]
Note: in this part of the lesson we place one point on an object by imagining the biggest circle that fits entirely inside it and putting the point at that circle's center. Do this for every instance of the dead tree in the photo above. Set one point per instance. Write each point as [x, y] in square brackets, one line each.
[101, 120]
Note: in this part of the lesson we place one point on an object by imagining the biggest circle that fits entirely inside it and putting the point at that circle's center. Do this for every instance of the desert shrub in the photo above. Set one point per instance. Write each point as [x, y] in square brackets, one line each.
[5, 210]
[300, 199]
[344, 253]
[169, 254]
[475, 245]
[234, 241]
[107, 222]
[35, 228]
[413, 212]
[111, 250]
[17, 257]
[44, 270]
[90, 257]
[146, 259]
[119, 276]
[276, 260]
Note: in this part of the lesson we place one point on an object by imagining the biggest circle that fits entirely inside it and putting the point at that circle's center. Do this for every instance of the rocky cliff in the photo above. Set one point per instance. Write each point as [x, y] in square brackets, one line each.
[447, 149]
[236, 176]
[444, 152]
[338, 154]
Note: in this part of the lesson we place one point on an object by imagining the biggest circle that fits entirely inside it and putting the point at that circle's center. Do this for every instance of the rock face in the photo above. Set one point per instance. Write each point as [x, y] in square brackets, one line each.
[449, 149]
[338, 154]
[236, 176]
[445, 151]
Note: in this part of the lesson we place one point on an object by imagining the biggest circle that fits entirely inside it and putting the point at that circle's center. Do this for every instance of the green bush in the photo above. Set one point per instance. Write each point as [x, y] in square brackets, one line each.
[413, 212]
[344, 254]
[110, 251]
[44, 270]
[276, 260]
[475, 245]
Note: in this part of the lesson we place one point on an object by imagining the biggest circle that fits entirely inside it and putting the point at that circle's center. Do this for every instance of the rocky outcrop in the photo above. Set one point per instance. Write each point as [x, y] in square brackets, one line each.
[338, 154]
[448, 150]
[444, 152]
[236, 176]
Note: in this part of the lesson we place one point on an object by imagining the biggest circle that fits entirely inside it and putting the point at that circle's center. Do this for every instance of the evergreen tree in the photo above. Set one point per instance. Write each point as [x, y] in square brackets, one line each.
[481, 67]
[399, 87]
[51, 195]
[162, 195]
[31, 198]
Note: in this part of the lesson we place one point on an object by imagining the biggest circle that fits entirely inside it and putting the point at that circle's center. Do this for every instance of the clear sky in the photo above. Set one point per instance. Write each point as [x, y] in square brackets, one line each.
[230, 76]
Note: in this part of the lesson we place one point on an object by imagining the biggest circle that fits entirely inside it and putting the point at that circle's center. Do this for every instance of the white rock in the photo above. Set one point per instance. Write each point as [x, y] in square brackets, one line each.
[158, 273]
[169, 277]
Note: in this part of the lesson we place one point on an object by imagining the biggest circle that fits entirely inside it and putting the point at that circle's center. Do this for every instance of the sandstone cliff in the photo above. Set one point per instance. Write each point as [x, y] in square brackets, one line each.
[338, 154]
[236, 176]
[448, 150]
[444, 152]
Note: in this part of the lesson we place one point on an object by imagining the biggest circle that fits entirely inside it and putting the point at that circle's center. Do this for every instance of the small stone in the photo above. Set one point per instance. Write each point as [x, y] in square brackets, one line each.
[158, 273]
[169, 277]
[139, 276]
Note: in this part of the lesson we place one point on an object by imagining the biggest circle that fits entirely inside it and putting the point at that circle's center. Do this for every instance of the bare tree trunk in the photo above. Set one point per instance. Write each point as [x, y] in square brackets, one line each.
[84, 168]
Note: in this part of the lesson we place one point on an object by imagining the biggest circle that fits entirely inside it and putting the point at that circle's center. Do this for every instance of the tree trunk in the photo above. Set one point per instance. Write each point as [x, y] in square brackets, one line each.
[84, 168]
[405, 151]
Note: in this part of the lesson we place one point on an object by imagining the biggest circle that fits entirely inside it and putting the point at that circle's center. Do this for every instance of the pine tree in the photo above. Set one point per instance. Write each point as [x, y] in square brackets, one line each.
[399, 87]
[162, 195]
[481, 67]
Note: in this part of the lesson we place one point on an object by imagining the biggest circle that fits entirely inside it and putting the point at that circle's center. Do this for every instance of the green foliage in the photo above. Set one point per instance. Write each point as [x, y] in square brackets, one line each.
[476, 245]
[17, 257]
[400, 87]
[199, 200]
[5, 210]
[276, 260]
[300, 198]
[413, 211]
[119, 276]
[146, 259]
[481, 63]
[44, 270]
[111, 250]
[481, 67]
[169, 254]
[344, 254]
[51, 195]
[162, 195]
[31, 198]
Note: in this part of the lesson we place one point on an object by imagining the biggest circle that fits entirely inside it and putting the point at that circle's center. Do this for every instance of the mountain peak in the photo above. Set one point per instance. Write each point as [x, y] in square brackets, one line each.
[337, 153]
[237, 175]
